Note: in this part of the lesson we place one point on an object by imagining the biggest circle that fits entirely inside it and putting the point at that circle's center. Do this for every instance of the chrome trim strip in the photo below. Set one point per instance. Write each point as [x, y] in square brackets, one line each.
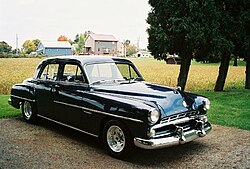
[178, 121]
[66, 125]
[100, 112]
[23, 98]
[72, 105]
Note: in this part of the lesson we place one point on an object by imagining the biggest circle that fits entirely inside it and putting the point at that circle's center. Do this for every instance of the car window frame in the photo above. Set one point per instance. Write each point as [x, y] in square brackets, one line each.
[62, 71]
[116, 62]
[42, 69]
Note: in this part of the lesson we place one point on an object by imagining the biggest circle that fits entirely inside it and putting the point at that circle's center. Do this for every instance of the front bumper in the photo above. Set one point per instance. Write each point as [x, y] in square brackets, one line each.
[172, 140]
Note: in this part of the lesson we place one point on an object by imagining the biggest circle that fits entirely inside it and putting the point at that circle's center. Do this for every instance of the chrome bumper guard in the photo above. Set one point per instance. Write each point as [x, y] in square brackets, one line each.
[182, 138]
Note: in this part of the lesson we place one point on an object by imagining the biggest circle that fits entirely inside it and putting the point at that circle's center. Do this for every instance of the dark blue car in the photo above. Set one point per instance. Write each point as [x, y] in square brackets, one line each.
[108, 98]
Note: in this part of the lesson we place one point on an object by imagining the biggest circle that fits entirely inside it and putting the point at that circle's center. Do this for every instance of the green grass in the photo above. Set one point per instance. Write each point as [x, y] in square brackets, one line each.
[6, 110]
[240, 63]
[154, 61]
[229, 108]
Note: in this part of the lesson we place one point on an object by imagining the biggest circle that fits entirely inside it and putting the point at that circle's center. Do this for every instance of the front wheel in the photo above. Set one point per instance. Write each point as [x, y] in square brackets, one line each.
[29, 112]
[117, 139]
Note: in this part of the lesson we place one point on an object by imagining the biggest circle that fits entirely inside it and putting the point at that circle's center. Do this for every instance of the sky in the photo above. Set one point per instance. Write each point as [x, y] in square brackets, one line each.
[48, 19]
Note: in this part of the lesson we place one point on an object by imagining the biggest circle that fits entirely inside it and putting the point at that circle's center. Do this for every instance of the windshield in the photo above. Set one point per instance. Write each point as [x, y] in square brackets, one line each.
[111, 72]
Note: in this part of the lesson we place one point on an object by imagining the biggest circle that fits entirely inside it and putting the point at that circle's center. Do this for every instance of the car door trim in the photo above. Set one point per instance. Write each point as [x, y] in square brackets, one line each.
[66, 125]
[72, 105]
[88, 110]
[23, 98]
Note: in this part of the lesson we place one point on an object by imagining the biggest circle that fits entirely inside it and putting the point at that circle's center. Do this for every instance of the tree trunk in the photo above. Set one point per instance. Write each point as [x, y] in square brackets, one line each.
[235, 61]
[224, 65]
[247, 84]
[184, 69]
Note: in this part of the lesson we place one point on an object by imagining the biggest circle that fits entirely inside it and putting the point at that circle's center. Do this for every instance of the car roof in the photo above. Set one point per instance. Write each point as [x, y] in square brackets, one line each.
[87, 59]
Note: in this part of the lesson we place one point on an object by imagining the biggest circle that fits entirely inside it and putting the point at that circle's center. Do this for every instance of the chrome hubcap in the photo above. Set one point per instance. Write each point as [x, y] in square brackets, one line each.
[115, 138]
[27, 110]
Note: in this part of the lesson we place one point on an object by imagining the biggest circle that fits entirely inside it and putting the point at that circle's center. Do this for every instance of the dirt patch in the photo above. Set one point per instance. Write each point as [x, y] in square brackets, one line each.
[48, 145]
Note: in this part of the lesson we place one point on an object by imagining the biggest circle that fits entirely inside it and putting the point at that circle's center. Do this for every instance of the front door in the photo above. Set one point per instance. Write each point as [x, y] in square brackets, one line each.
[44, 90]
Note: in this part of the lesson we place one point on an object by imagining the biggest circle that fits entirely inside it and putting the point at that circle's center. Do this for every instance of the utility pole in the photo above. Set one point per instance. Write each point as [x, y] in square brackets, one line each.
[125, 50]
[138, 43]
[16, 44]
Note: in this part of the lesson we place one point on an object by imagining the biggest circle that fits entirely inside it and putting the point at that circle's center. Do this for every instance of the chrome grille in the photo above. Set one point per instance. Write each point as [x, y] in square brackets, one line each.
[178, 116]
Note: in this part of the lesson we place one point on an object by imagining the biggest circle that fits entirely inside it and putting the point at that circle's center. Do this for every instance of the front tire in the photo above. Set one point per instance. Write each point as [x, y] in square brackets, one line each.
[29, 112]
[117, 139]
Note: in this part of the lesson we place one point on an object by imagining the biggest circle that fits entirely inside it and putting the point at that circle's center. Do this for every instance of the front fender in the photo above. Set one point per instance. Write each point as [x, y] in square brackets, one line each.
[133, 113]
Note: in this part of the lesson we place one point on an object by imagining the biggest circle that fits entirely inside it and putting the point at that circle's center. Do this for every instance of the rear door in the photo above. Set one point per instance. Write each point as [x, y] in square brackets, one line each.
[68, 96]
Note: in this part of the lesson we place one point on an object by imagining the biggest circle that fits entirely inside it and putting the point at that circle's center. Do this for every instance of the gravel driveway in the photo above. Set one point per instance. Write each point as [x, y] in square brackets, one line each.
[49, 145]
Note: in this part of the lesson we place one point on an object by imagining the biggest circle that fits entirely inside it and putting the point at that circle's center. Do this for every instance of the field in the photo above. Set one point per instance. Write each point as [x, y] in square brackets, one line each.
[200, 77]
[14, 71]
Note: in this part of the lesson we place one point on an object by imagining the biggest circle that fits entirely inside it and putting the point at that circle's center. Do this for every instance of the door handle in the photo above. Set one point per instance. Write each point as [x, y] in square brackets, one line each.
[54, 88]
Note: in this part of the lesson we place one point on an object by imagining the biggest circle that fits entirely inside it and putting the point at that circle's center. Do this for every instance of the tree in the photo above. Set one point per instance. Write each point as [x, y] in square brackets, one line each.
[29, 46]
[62, 38]
[4, 47]
[80, 39]
[131, 49]
[77, 38]
[234, 26]
[36, 42]
[125, 46]
[245, 19]
[186, 28]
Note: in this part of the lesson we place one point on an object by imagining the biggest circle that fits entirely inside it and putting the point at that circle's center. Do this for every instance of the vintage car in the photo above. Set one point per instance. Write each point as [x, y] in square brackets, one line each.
[108, 98]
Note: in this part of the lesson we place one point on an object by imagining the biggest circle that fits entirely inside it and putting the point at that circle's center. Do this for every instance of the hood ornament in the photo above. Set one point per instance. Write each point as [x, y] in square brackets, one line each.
[177, 90]
[185, 103]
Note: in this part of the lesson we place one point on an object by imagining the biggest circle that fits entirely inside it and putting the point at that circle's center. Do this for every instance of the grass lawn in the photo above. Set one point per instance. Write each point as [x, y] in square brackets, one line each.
[6, 110]
[229, 108]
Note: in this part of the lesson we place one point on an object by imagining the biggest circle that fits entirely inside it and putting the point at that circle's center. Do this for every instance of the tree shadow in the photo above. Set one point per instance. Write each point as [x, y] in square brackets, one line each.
[175, 154]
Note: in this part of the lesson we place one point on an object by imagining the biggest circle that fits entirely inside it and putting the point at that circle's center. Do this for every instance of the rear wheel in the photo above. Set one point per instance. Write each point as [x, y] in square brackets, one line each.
[29, 112]
[117, 139]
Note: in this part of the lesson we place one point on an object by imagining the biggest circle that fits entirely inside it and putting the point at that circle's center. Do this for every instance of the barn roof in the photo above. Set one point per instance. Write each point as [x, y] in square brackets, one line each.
[57, 44]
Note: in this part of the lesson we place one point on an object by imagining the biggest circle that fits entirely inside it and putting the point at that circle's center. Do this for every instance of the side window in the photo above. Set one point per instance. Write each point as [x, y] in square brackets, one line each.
[72, 73]
[50, 72]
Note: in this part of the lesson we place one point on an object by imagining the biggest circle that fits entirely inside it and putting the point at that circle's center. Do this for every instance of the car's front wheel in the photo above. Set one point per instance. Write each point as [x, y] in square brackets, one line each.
[29, 112]
[117, 139]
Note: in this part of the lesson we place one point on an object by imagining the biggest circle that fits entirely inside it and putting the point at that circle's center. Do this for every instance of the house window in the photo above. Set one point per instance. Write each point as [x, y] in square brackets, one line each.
[98, 49]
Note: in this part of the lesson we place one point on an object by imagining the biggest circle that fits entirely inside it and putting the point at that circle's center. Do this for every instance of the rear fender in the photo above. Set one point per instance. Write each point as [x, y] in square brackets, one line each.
[20, 93]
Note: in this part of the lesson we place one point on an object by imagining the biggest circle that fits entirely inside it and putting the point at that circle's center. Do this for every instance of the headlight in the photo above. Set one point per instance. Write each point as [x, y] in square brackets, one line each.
[206, 104]
[153, 116]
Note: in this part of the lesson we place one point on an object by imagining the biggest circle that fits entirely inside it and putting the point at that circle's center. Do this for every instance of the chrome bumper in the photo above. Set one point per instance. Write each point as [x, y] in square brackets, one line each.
[10, 101]
[172, 140]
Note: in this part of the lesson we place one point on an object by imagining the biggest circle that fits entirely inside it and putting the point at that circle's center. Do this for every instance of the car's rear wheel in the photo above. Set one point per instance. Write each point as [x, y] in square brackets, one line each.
[29, 112]
[117, 139]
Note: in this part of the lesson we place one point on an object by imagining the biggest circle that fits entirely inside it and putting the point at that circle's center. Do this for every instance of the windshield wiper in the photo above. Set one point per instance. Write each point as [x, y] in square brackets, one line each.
[107, 81]
[135, 79]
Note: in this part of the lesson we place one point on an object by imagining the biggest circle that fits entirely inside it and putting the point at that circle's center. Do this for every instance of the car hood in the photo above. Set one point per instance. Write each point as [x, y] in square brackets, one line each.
[169, 100]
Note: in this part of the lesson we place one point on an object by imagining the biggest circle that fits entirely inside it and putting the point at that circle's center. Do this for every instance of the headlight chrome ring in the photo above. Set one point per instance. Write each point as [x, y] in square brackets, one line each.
[206, 104]
[153, 116]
